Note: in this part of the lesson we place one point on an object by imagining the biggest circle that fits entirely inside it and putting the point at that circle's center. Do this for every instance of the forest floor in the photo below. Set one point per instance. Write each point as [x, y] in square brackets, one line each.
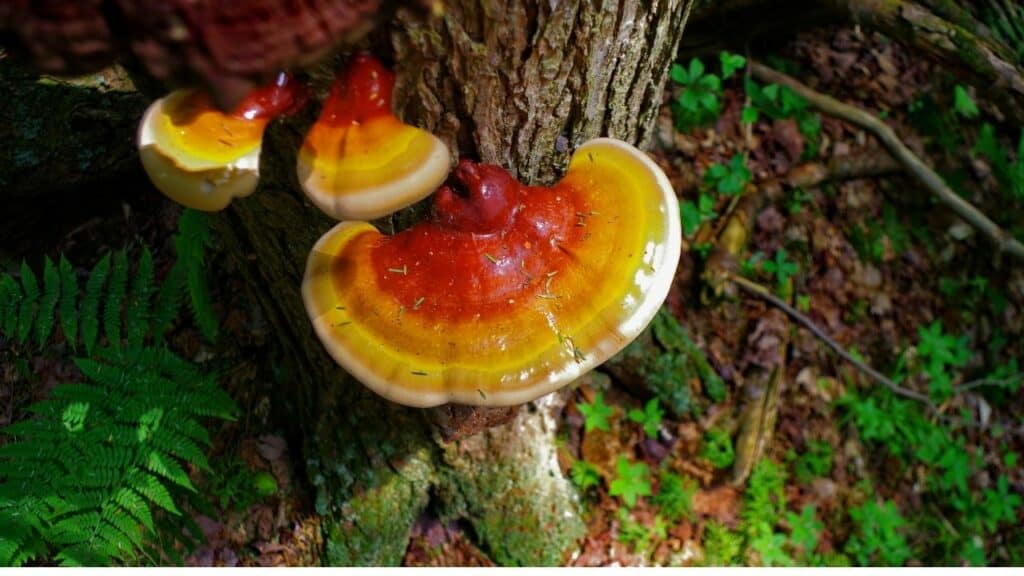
[666, 461]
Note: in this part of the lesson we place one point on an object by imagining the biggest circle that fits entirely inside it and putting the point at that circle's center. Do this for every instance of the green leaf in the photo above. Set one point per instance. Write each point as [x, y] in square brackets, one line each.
[632, 482]
[678, 74]
[48, 302]
[963, 104]
[696, 69]
[596, 414]
[74, 416]
[749, 115]
[27, 313]
[731, 63]
[91, 302]
[804, 529]
[115, 298]
[717, 448]
[584, 475]
[68, 302]
[649, 417]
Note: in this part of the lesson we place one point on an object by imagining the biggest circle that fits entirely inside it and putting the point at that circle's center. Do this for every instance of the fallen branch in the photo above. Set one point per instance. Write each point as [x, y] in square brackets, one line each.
[755, 289]
[911, 163]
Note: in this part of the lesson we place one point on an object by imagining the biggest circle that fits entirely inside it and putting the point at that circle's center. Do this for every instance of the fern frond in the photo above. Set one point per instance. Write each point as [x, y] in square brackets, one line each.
[153, 490]
[115, 298]
[10, 297]
[68, 302]
[137, 310]
[48, 301]
[192, 238]
[168, 301]
[30, 295]
[91, 303]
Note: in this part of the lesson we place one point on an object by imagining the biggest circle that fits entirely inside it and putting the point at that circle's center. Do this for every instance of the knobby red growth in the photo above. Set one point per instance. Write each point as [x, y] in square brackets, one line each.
[488, 205]
[361, 91]
[283, 97]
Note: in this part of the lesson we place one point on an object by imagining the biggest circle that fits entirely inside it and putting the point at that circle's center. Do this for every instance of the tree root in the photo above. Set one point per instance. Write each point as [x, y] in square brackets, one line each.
[911, 163]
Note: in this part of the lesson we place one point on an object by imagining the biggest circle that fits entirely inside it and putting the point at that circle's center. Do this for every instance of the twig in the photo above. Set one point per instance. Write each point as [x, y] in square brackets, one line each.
[911, 163]
[987, 382]
[761, 292]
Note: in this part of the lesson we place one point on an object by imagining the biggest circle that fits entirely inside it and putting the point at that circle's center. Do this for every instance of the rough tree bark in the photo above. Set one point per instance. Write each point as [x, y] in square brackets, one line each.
[515, 82]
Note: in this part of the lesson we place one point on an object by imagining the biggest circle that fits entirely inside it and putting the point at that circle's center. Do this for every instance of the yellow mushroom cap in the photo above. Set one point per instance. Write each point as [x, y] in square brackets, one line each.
[359, 161]
[201, 157]
[508, 292]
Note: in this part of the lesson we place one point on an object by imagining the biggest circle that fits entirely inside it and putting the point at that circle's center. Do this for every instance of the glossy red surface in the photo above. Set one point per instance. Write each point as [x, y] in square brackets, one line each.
[283, 97]
[487, 252]
[360, 91]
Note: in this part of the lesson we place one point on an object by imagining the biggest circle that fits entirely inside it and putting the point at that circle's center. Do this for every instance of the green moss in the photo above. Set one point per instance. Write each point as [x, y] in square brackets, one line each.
[373, 527]
[507, 484]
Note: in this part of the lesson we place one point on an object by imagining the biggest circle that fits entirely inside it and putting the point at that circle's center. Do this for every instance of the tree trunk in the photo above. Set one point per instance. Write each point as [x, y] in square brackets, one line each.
[519, 83]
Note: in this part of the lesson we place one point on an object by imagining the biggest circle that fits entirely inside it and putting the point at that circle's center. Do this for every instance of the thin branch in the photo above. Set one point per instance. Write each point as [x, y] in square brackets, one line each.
[988, 382]
[756, 289]
[911, 163]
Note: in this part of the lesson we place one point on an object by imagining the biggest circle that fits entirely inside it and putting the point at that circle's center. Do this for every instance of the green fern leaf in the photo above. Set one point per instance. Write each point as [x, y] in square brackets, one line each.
[166, 466]
[168, 301]
[137, 310]
[125, 523]
[48, 302]
[68, 301]
[179, 446]
[153, 490]
[201, 303]
[91, 303]
[115, 298]
[10, 296]
[81, 555]
[30, 288]
[133, 504]
[192, 238]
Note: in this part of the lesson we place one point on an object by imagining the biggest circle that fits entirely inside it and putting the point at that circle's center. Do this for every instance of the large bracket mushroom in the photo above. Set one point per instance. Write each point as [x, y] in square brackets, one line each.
[359, 161]
[201, 157]
[508, 291]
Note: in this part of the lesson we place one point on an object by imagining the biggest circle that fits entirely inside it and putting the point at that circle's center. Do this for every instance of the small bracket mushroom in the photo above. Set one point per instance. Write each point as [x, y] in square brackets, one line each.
[359, 161]
[500, 296]
[203, 158]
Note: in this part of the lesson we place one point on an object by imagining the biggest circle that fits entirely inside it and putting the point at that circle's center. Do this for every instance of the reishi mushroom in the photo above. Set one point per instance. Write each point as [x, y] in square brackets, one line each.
[507, 292]
[203, 158]
[359, 161]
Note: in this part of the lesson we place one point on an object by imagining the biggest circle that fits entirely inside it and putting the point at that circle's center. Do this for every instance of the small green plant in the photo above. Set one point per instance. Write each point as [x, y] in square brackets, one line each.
[782, 269]
[235, 486]
[728, 179]
[798, 197]
[675, 496]
[649, 417]
[639, 536]
[1008, 173]
[584, 475]
[963, 104]
[632, 482]
[596, 414]
[717, 448]
[700, 102]
[815, 462]
[804, 531]
[722, 547]
[940, 352]
[763, 505]
[778, 102]
[694, 214]
[878, 535]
